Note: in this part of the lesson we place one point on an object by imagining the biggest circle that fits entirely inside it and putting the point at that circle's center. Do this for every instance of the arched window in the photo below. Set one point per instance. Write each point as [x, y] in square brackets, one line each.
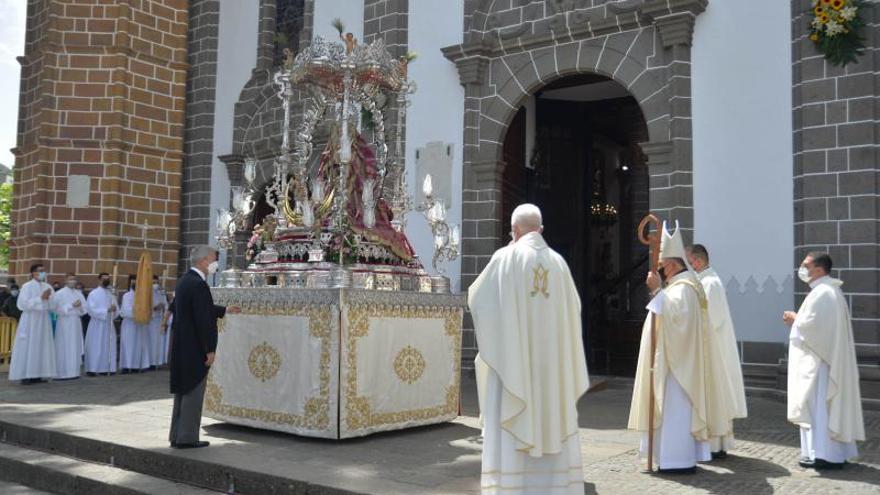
[288, 26]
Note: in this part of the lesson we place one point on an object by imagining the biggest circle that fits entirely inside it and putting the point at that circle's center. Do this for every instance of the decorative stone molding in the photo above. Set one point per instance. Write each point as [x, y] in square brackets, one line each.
[676, 29]
[234, 167]
[658, 153]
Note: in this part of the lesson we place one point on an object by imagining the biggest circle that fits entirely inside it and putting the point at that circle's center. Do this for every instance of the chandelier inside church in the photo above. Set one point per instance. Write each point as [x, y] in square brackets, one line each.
[338, 220]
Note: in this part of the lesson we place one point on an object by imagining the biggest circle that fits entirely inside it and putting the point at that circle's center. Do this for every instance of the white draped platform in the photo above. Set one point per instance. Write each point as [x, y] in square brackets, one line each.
[336, 363]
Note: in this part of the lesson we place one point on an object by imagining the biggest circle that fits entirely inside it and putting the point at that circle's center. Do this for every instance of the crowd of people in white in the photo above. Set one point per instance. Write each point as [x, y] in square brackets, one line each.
[63, 332]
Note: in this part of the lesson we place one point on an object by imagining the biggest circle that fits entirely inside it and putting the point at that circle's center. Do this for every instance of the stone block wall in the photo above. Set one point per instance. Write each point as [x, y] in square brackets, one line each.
[102, 96]
[836, 188]
[201, 86]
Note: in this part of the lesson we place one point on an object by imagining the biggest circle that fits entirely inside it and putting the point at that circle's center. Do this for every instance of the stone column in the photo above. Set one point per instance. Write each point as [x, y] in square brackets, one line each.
[670, 163]
[836, 206]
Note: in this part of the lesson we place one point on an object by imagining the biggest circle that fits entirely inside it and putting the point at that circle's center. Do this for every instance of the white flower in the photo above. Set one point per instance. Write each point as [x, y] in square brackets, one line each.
[848, 13]
[817, 24]
[833, 28]
[815, 2]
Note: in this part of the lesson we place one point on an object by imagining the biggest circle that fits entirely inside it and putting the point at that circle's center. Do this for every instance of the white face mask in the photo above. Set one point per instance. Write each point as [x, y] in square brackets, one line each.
[804, 274]
[212, 268]
[155, 286]
[14, 293]
[71, 283]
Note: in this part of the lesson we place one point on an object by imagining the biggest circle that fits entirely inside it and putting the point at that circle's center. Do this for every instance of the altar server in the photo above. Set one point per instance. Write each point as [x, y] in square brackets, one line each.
[726, 371]
[156, 336]
[33, 353]
[823, 377]
[681, 399]
[134, 345]
[531, 368]
[194, 337]
[70, 305]
[101, 333]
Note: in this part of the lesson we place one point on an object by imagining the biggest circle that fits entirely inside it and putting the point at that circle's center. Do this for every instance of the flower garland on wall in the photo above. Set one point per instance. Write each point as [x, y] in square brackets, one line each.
[835, 30]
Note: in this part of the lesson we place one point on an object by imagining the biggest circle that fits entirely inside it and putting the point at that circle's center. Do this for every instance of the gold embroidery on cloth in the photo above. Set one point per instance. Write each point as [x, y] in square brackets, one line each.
[540, 281]
[359, 414]
[264, 362]
[409, 365]
[316, 413]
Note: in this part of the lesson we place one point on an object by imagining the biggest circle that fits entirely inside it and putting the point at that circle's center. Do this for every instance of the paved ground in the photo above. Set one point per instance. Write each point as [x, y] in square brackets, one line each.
[133, 410]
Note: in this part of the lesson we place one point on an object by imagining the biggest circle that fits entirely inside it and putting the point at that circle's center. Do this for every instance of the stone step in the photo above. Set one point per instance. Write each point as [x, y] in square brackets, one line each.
[66, 475]
[8, 488]
[182, 471]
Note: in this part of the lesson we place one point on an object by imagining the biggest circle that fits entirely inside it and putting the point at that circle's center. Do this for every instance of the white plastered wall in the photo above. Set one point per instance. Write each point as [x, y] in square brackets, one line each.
[742, 142]
[436, 113]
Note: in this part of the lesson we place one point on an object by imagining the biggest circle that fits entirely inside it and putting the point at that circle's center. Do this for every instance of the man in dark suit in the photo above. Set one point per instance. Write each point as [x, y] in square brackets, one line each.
[194, 340]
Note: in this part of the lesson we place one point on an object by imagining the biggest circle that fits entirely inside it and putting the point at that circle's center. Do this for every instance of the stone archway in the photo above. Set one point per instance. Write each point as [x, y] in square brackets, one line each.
[510, 52]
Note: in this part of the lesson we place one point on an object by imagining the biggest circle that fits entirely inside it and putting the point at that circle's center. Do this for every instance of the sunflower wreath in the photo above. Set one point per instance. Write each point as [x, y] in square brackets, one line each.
[836, 30]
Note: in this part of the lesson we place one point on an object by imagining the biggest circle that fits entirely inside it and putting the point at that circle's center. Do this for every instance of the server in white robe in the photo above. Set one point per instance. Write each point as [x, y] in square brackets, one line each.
[100, 352]
[33, 352]
[726, 369]
[531, 368]
[70, 306]
[823, 378]
[158, 351]
[134, 344]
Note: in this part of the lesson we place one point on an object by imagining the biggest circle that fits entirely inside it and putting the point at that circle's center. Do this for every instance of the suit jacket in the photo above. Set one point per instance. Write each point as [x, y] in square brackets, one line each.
[193, 331]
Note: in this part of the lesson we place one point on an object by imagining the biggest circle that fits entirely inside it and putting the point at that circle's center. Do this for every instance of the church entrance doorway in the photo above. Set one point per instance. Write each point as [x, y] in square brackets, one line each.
[572, 149]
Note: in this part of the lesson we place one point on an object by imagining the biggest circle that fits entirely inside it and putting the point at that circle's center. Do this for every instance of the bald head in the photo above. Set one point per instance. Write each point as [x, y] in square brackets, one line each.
[526, 218]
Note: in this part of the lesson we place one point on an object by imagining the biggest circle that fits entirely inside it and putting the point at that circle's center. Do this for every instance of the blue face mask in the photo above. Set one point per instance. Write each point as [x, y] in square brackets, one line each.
[41, 276]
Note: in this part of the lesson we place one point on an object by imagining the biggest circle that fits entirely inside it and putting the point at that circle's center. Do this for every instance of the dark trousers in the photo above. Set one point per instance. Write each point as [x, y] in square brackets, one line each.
[186, 418]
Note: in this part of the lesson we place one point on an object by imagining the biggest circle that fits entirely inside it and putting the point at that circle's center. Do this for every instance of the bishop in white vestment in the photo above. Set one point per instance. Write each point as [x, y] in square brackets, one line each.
[823, 377]
[134, 345]
[531, 368]
[725, 369]
[70, 306]
[100, 352]
[681, 399]
[33, 352]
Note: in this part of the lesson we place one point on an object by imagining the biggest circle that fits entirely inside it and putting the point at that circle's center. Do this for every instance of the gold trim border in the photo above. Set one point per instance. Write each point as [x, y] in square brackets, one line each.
[317, 409]
[359, 414]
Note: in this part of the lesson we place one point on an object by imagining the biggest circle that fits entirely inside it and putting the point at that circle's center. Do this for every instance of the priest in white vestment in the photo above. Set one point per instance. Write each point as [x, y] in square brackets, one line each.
[134, 345]
[823, 377]
[100, 352]
[70, 306]
[726, 369]
[33, 352]
[531, 368]
[158, 351]
[682, 398]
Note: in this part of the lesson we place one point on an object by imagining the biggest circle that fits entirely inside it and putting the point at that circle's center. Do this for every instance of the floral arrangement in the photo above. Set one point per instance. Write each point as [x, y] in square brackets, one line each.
[257, 242]
[835, 29]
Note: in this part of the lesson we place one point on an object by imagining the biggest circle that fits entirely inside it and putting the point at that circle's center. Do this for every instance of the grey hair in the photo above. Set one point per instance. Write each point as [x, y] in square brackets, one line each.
[200, 252]
[527, 216]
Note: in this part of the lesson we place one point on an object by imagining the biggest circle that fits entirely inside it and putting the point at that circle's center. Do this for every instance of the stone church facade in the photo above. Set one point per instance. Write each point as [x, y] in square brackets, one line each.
[180, 93]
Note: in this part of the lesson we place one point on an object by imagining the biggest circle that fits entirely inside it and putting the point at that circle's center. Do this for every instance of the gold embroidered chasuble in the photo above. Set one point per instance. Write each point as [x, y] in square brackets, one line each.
[682, 350]
[526, 314]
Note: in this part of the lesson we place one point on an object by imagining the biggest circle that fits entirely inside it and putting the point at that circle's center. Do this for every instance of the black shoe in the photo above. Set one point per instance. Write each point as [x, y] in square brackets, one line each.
[823, 464]
[90, 373]
[196, 445]
[125, 371]
[721, 454]
[688, 470]
[806, 463]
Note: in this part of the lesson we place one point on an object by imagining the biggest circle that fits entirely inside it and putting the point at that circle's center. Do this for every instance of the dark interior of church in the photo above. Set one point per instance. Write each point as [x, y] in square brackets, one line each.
[587, 174]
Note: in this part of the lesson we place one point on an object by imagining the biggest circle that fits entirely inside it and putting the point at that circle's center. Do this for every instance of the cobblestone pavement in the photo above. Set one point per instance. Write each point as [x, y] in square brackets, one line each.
[133, 410]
